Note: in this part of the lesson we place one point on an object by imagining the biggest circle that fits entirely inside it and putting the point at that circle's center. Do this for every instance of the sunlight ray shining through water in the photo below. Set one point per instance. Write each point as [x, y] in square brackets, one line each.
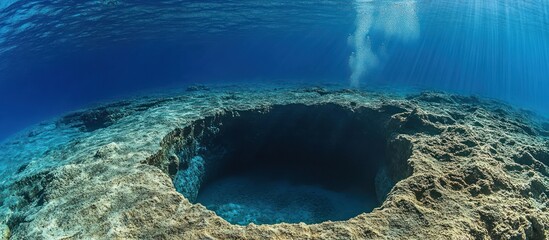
[496, 49]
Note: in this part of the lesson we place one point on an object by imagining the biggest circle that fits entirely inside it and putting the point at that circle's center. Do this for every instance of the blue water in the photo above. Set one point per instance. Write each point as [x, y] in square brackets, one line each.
[244, 200]
[57, 56]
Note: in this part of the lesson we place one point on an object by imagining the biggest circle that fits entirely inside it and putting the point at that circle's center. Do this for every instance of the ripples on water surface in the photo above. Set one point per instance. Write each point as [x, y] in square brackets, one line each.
[57, 56]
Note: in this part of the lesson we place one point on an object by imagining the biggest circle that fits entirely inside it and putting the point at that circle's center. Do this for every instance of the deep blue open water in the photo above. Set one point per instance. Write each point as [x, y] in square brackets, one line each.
[57, 56]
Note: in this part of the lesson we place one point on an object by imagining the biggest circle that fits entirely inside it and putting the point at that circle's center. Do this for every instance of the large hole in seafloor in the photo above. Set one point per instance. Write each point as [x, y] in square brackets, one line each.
[292, 163]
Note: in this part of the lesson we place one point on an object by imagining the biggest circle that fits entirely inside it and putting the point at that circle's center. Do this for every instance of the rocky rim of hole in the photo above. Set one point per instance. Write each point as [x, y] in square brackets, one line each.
[375, 158]
[475, 168]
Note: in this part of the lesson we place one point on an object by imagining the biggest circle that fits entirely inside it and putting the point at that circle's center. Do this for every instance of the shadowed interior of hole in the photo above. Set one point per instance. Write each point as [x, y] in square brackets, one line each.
[295, 163]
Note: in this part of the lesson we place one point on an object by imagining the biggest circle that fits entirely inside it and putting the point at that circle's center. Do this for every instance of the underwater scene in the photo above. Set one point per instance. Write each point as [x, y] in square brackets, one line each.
[281, 119]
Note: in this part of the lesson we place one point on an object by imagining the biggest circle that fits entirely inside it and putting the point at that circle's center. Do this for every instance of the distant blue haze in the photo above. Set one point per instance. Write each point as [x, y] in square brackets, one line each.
[59, 56]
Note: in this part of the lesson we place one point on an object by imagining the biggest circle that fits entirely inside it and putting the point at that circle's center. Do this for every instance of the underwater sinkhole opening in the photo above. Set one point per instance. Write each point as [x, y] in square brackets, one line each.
[290, 163]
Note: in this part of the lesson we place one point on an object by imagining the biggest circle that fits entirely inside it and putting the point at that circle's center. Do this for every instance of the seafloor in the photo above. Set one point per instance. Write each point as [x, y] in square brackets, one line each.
[441, 166]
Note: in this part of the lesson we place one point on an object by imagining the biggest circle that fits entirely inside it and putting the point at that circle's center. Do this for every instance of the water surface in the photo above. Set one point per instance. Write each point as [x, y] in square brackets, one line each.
[58, 56]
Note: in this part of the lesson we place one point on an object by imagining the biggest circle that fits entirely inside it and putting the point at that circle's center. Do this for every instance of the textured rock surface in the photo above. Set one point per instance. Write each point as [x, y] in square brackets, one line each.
[468, 169]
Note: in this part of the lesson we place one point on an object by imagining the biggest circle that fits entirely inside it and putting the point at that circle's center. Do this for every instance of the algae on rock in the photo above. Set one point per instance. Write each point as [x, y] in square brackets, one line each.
[4, 232]
[462, 167]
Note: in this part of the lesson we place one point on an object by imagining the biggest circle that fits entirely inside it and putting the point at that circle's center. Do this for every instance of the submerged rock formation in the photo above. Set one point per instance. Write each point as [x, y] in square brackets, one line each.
[443, 166]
